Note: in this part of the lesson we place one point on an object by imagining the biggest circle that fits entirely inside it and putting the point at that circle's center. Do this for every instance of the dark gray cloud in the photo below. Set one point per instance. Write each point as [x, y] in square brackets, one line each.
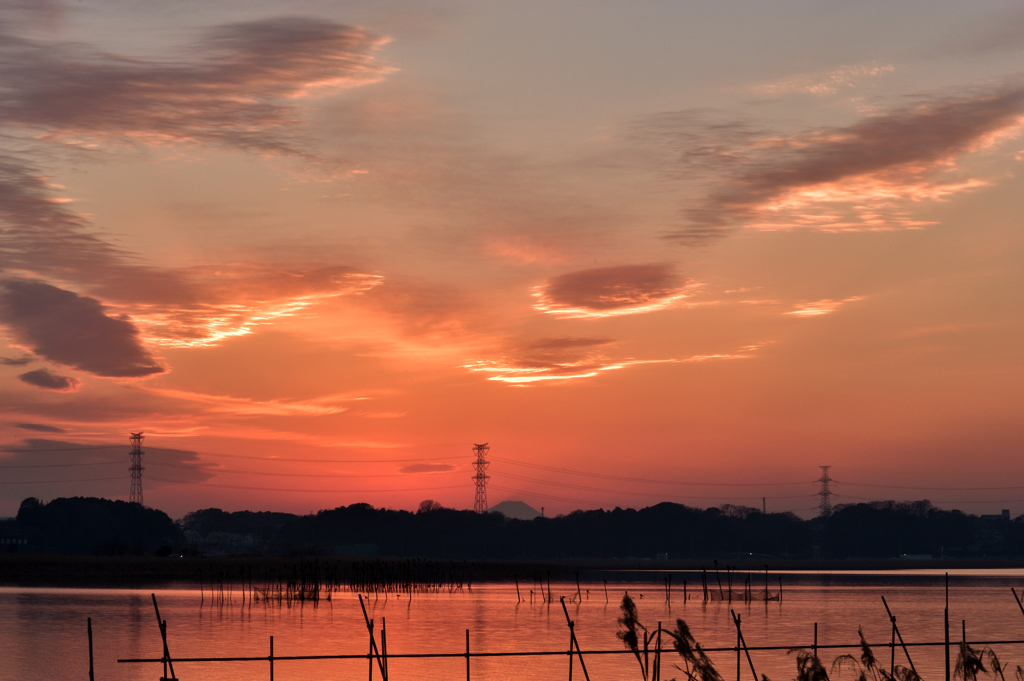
[73, 330]
[602, 290]
[427, 468]
[906, 152]
[54, 468]
[238, 85]
[40, 428]
[15, 362]
[39, 233]
[43, 378]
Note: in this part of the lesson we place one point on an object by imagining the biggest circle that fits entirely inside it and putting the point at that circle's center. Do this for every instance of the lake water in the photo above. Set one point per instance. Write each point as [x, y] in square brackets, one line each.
[43, 631]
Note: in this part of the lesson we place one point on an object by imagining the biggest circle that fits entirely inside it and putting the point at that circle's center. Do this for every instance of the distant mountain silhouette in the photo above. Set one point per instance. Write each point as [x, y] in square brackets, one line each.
[515, 510]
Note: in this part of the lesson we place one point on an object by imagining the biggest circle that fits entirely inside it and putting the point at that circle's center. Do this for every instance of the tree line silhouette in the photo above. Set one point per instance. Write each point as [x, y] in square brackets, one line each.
[91, 526]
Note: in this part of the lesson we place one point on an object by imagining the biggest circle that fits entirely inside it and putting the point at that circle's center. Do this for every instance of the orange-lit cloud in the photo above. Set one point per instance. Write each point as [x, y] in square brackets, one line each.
[610, 291]
[821, 307]
[866, 176]
[321, 406]
[574, 361]
[238, 300]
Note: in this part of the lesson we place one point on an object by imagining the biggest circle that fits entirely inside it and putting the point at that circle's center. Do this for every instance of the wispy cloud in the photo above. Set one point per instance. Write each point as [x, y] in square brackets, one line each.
[15, 361]
[576, 361]
[821, 307]
[427, 468]
[610, 291]
[239, 406]
[39, 427]
[824, 84]
[865, 176]
[238, 85]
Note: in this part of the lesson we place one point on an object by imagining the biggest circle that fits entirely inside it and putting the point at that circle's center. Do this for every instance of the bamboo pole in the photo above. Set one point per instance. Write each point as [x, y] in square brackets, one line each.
[373, 642]
[89, 625]
[574, 642]
[384, 645]
[743, 642]
[271, 658]
[657, 656]
[467, 654]
[898, 634]
[163, 634]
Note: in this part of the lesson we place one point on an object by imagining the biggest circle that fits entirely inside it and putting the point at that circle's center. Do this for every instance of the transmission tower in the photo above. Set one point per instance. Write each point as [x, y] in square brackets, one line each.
[825, 493]
[136, 468]
[481, 477]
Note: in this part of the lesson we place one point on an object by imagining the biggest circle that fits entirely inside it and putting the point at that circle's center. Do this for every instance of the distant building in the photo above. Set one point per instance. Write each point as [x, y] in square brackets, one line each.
[1005, 515]
[13, 539]
[515, 510]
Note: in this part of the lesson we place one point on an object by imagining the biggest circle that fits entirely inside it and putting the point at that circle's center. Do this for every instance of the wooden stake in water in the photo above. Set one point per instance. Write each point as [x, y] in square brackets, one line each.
[467, 654]
[89, 624]
[946, 625]
[657, 656]
[518, 598]
[271, 658]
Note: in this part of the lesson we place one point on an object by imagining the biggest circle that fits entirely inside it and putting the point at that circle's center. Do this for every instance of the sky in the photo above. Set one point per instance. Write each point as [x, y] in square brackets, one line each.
[668, 251]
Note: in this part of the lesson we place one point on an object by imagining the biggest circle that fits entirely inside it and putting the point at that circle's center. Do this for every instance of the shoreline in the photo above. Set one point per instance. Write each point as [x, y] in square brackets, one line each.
[41, 570]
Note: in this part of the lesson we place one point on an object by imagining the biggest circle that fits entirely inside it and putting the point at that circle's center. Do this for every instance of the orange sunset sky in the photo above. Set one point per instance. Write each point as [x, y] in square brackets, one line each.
[667, 251]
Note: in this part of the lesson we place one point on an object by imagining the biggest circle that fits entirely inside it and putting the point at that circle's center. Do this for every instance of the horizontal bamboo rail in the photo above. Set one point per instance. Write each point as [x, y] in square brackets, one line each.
[523, 653]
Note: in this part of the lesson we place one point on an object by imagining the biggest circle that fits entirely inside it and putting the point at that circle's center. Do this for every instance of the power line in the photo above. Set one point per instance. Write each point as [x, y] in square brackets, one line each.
[228, 471]
[934, 489]
[331, 491]
[630, 492]
[62, 465]
[231, 456]
[43, 482]
[649, 480]
[938, 501]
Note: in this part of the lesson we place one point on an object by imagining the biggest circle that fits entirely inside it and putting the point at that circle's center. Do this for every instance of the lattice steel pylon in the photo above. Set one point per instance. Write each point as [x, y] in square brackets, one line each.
[481, 477]
[135, 496]
[825, 493]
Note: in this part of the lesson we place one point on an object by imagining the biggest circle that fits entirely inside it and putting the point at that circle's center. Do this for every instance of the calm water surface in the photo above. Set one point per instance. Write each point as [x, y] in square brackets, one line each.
[43, 631]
